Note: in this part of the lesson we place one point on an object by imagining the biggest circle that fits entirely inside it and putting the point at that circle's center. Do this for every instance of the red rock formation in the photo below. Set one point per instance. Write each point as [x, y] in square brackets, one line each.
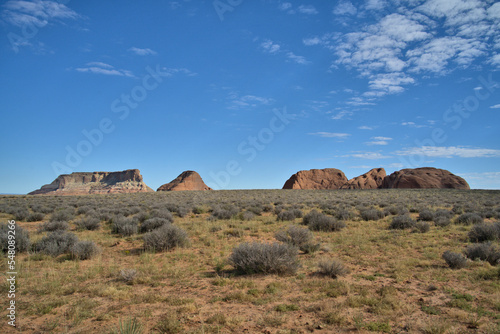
[128, 181]
[371, 180]
[328, 178]
[426, 177]
[188, 180]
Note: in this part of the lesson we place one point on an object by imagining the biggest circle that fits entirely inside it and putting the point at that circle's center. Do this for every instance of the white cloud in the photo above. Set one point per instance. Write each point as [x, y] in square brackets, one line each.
[270, 47]
[39, 13]
[423, 37]
[365, 127]
[450, 152]
[285, 6]
[330, 134]
[237, 102]
[344, 114]
[367, 155]
[142, 52]
[496, 106]
[379, 141]
[413, 125]
[105, 69]
[307, 9]
[375, 4]
[298, 59]
[345, 7]
[311, 41]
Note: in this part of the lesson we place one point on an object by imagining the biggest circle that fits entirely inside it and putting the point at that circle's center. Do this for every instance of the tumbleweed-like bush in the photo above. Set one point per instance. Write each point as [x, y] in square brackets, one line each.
[165, 238]
[253, 258]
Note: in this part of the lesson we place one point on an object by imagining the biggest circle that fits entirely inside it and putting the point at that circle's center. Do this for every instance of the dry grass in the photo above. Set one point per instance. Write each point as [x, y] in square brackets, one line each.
[398, 281]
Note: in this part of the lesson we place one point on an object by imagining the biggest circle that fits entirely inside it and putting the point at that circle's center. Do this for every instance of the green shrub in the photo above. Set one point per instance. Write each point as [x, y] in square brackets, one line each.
[20, 214]
[455, 260]
[153, 223]
[332, 268]
[297, 236]
[124, 226]
[66, 214]
[289, 215]
[426, 215]
[402, 222]
[442, 221]
[88, 223]
[484, 232]
[53, 225]
[35, 217]
[320, 222]
[469, 218]
[22, 239]
[485, 251]
[165, 238]
[252, 258]
[422, 226]
[56, 243]
[84, 250]
[371, 214]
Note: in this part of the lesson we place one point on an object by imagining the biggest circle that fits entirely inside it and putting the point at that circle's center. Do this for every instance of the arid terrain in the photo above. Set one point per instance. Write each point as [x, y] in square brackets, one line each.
[387, 244]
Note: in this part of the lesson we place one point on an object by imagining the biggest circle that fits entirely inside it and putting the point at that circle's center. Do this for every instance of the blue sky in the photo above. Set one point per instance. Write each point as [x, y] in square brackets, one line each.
[248, 92]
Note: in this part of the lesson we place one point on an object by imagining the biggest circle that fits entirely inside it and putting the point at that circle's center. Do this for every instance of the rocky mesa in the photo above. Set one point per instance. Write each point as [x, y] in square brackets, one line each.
[370, 180]
[418, 178]
[188, 180]
[328, 178]
[424, 178]
[78, 183]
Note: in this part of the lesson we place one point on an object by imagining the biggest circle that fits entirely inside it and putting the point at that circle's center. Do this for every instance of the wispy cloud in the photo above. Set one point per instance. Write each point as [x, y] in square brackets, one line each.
[298, 59]
[302, 9]
[307, 9]
[330, 134]
[379, 141]
[366, 155]
[238, 102]
[425, 37]
[105, 69]
[345, 7]
[344, 114]
[450, 152]
[39, 13]
[270, 47]
[365, 127]
[413, 125]
[142, 52]
[496, 106]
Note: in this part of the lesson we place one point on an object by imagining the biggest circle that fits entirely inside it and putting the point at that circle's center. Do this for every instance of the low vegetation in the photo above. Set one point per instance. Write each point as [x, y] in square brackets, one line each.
[273, 261]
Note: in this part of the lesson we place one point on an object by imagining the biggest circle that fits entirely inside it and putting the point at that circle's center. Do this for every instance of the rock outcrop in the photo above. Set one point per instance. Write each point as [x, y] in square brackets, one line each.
[328, 178]
[128, 181]
[188, 180]
[424, 178]
[418, 178]
[370, 180]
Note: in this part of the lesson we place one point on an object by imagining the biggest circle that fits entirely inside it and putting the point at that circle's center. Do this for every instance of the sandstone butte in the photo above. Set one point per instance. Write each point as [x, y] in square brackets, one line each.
[127, 181]
[188, 180]
[370, 180]
[424, 178]
[418, 178]
[328, 178]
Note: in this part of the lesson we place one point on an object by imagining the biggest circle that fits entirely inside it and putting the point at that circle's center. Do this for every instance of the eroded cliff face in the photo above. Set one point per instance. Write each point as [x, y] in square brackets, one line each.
[370, 180]
[188, 180]
[128, 181]
[424, 178]
[328, 178]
